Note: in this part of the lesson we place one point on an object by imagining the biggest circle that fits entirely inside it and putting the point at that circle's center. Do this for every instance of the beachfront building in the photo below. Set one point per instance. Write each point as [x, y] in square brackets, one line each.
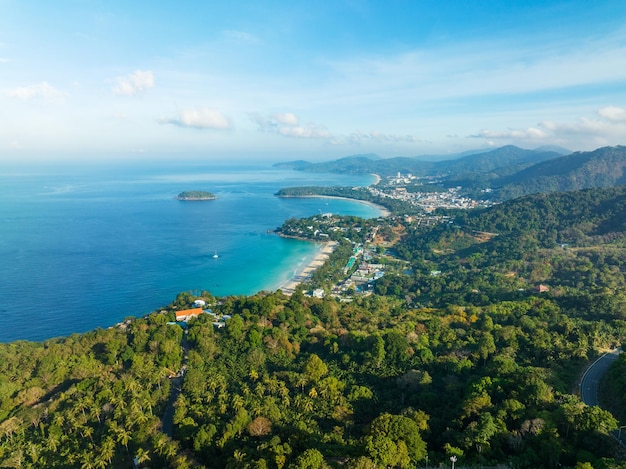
[186, 314]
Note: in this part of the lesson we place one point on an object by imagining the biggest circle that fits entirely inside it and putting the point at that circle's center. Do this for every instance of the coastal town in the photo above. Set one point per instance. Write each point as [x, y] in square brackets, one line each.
[404, 201]
[425, 193]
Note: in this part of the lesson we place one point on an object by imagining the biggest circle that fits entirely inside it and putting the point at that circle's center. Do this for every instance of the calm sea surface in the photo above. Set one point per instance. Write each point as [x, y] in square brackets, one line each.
[86, 247]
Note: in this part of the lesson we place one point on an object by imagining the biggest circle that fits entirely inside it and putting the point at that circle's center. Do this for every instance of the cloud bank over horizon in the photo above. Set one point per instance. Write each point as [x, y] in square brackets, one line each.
[417, 80]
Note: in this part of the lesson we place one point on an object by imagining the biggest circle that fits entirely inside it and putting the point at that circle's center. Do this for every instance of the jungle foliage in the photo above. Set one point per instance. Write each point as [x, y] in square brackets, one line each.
[462, 356]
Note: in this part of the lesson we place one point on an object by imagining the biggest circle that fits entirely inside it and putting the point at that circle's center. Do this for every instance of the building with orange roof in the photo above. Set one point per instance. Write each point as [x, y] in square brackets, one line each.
[185, 314]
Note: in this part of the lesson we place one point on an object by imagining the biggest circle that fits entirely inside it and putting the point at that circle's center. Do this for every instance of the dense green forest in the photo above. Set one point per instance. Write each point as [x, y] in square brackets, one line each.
[603, 167]
[460, 355]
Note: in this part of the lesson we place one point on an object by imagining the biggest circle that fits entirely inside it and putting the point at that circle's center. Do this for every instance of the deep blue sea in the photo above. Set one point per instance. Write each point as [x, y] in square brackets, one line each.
[85, 247]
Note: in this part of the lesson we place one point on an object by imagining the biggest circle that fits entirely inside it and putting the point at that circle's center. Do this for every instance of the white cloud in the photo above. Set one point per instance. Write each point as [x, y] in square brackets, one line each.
[305, 132]
[136, 82]
[240, 36]
[504, 69]
[532, 133]
[288, 125]
[203, 118]
[41, 90]
[381, 137]
[287, 118]
[613, 113]
[586, 127]
[585, 133]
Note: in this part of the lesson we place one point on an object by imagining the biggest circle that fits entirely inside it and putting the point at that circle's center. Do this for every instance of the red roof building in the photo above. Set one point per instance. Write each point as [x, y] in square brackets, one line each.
[185, 314]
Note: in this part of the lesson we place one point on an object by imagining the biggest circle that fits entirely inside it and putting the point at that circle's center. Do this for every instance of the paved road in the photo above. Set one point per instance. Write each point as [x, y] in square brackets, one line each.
[591, 378]
[175, 390]
[589, 385]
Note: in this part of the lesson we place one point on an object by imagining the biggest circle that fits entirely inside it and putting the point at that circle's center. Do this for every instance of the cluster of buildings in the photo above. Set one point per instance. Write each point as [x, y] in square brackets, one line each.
[184, 315]
[360, 280]
[322, 227]
[406, 189]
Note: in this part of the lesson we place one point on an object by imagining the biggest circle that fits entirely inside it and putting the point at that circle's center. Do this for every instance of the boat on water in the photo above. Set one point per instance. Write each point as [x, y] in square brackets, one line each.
[215, 256]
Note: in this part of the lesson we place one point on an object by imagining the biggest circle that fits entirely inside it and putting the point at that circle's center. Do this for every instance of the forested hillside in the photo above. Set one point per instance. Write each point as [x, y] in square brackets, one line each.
[603, 167]
[461, 355]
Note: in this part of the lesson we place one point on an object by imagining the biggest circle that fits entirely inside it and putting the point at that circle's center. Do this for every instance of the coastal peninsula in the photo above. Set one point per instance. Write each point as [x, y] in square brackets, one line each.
[361, 195]
[195, 195]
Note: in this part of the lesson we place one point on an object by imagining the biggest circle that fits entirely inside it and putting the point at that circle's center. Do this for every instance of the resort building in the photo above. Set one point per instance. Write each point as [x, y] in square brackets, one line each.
[185, 314]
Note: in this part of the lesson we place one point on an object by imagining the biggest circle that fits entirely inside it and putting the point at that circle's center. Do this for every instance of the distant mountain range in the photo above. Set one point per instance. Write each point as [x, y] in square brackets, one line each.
[508, 171]
[429, 165]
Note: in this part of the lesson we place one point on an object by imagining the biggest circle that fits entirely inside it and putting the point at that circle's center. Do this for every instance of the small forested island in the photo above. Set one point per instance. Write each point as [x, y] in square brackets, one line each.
[196, 195]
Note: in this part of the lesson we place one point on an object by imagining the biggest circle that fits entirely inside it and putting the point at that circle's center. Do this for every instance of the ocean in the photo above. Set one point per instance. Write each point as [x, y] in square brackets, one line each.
[87, 246]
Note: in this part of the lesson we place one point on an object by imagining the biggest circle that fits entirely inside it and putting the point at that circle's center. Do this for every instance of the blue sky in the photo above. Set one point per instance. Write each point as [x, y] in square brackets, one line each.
[89, 79]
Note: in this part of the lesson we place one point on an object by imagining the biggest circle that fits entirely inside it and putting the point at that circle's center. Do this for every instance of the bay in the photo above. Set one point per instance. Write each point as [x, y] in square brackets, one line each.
[86, 246]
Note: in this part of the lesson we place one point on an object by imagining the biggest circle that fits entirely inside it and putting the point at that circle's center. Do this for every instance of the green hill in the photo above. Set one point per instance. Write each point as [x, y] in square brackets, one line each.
[603, 167]
[589, 212]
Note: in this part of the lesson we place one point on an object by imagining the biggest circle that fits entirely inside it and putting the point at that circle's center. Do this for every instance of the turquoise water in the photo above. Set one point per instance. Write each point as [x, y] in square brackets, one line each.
[86, 247]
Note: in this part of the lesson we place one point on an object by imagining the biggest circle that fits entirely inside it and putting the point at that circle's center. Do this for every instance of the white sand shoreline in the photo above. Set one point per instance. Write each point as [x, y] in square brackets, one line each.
[304, 274]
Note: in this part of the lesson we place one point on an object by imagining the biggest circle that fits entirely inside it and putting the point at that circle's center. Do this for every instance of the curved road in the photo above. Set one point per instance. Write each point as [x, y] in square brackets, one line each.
[592, 376]
[590, 380]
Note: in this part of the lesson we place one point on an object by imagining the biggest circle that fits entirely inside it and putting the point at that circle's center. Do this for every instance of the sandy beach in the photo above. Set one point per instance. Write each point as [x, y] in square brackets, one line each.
[305, 273]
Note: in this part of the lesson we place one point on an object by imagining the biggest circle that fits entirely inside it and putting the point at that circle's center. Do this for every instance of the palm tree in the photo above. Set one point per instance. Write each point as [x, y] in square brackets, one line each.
[123, 436]
[52, 442]
[87, 432]
[100, 462]
[140, 417]
[87, 461]
[58, 419]
[237, 402]
[33, 451]
[83, 403]
[160, 442]
[107, 449]
[135, 406]
[142, 455]
[239, 456]
[95, 411]
[171, 449]
[301, 382]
